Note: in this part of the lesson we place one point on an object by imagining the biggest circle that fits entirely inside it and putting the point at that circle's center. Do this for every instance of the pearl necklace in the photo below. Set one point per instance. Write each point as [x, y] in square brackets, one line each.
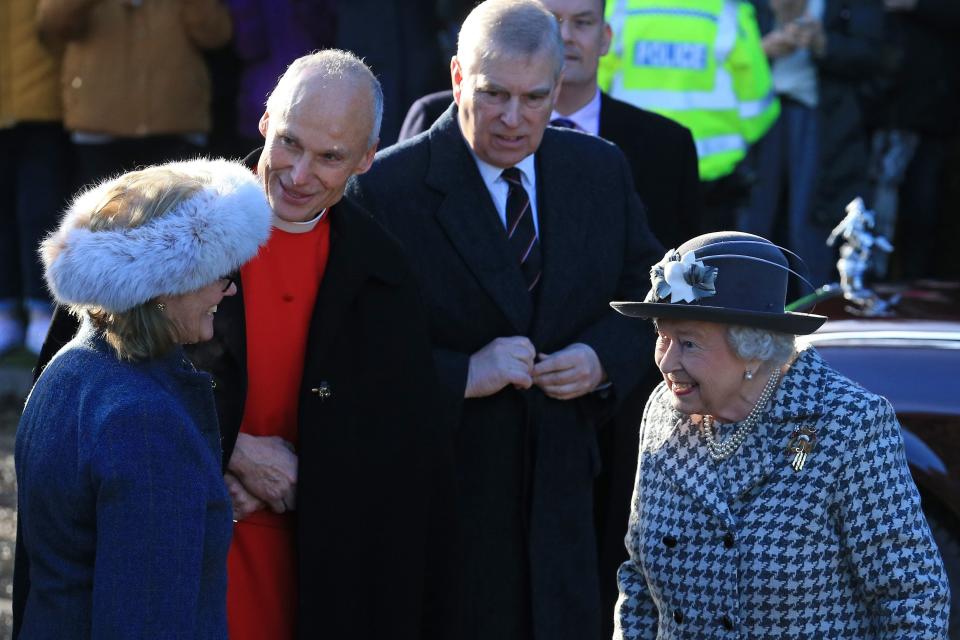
[723, 450]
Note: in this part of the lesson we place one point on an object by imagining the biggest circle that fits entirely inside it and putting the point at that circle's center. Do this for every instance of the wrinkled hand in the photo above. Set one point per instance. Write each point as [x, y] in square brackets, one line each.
[503, 361]
[244, 502]
[899, 5]
[267, 468]
[569, 373]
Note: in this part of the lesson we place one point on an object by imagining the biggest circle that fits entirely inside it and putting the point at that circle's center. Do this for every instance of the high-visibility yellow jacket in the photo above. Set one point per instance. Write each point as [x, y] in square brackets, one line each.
[699, 62]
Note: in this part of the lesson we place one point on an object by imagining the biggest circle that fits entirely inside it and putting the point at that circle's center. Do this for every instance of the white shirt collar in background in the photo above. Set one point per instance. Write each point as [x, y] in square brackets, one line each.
[587, 118]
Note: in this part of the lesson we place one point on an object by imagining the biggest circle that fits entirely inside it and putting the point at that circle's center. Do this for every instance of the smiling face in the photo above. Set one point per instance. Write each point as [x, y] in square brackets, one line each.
[703, 374]
[314, 144]
[192, 313]
[504, 104]
[586, 37]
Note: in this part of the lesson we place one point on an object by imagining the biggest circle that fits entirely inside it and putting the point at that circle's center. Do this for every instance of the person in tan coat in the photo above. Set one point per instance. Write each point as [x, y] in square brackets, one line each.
[135, 86]
[31, 179]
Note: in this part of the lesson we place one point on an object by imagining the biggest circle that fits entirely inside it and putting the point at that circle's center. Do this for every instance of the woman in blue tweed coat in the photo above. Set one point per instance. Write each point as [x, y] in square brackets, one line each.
[124, 519]
[773, 498]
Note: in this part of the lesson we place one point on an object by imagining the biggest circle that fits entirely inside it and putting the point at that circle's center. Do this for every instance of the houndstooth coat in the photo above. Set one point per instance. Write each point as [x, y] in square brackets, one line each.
[837, 550]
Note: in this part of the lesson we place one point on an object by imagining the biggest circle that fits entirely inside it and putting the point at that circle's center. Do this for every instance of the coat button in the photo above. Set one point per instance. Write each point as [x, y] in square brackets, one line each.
[669, 541]
[727, 622]
[678, 616]
[728, 540]
[323, 391]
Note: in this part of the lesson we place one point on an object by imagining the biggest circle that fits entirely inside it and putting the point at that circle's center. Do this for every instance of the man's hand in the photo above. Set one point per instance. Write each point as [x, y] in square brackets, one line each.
[569, 373]
[503, 361]
[808, 34]
[267, 468]
[778, 43]
[244, 502]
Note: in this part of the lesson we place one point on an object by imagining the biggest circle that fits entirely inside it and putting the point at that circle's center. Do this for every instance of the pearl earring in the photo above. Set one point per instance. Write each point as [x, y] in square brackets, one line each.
[748, 375]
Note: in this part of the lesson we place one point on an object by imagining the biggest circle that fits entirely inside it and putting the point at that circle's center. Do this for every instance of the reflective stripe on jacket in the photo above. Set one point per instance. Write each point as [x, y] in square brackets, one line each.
[699, 62]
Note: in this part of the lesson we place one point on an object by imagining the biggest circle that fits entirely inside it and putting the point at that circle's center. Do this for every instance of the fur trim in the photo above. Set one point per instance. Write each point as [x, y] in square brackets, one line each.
[205, 237]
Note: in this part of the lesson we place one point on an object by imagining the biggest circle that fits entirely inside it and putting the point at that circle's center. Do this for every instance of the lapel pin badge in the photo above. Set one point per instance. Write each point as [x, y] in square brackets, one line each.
[802, 441]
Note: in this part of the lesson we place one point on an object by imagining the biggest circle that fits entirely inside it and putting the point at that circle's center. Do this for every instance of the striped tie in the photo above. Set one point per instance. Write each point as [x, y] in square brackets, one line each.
[521, 233]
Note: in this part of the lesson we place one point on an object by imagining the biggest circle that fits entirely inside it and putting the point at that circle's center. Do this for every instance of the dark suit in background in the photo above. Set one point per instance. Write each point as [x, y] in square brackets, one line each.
[526, 462]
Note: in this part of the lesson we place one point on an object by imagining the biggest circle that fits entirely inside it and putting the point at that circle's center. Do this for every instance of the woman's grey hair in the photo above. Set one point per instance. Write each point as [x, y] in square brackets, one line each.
[329, 64]
[136, 198]
[769, 347]
[509, 28]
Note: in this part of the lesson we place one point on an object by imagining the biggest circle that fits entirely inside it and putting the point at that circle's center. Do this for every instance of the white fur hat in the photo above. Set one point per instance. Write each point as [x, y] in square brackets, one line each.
[203, 238]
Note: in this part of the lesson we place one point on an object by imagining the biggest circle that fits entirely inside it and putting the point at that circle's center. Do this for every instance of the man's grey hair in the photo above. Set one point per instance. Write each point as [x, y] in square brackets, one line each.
[769, 347]
[334, 65]
[509, 28]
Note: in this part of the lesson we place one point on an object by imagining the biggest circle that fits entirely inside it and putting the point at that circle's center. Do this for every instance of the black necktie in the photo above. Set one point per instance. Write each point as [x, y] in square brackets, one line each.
[521, 233]
[564, 123]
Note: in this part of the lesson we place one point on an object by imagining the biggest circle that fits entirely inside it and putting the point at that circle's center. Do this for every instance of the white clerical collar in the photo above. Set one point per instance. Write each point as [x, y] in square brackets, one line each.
[298, 227]
[587, 118]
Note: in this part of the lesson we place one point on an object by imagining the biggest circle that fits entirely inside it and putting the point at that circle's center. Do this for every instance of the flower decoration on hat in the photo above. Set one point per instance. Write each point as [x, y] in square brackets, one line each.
[683, 278]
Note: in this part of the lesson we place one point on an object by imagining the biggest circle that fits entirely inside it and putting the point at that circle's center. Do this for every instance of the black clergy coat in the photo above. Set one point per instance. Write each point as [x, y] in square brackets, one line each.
[525, 462]
[375, 517]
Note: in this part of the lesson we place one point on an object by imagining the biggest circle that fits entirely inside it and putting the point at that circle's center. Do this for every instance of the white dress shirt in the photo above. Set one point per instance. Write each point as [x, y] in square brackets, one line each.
[499, 188]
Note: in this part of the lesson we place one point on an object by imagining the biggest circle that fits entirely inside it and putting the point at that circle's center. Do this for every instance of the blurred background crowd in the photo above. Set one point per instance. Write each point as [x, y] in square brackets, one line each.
[866, 95]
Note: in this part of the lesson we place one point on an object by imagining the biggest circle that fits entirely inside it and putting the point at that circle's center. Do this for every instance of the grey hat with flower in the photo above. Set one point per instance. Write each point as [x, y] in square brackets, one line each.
[727, 277]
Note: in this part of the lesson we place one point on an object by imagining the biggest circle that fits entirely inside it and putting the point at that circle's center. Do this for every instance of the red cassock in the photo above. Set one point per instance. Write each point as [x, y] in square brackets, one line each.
[279, 290]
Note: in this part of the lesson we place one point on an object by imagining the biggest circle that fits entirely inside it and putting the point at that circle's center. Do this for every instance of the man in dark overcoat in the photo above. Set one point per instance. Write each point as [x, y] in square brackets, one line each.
[369, 478]
[663, 162]
[519, 237]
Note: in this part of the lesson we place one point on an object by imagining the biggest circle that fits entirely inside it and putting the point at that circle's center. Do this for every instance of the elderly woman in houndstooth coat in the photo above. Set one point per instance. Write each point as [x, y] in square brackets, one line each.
[773, 498]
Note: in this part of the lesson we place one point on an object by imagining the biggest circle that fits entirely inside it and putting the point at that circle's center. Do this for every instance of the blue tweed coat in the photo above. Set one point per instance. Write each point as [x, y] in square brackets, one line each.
[124, 518]
[837, 550]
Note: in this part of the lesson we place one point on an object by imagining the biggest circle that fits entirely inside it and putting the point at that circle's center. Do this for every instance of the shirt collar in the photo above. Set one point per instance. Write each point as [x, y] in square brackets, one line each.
[491, 174]
[587, 118]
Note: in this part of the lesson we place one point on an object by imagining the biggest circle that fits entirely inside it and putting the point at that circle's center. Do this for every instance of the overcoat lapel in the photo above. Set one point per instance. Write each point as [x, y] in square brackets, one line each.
[607, 125]
[349, 265]
[562, 237]
[470, 221]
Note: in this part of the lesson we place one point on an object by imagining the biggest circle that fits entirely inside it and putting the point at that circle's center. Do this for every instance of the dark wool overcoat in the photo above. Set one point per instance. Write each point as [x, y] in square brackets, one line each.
[525, 462]
[375, 512]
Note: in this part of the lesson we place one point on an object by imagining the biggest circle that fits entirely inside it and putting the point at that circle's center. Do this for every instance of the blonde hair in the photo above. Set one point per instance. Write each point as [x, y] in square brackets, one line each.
[135, 198]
